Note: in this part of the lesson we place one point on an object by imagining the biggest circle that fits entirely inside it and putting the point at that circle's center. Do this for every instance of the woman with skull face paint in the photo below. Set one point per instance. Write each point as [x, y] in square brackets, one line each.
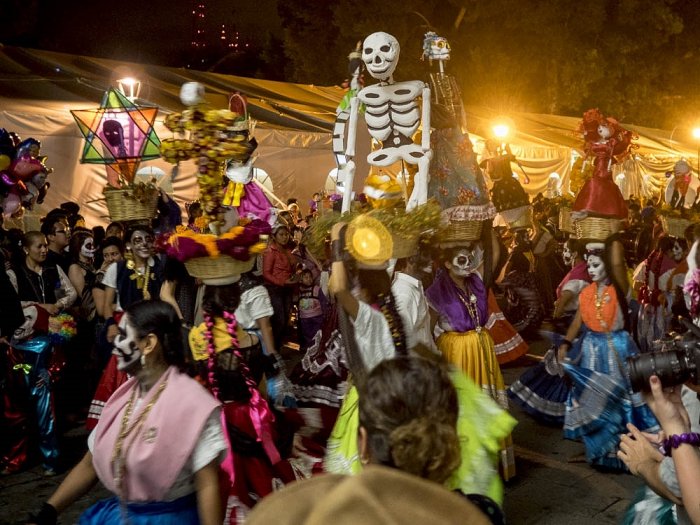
[651, 280]
[125, 282]
[601, 401]
[459, 298]
[159, 442]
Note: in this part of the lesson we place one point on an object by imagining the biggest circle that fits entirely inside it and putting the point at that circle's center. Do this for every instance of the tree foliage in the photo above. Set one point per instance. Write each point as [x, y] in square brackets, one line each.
[634, 59]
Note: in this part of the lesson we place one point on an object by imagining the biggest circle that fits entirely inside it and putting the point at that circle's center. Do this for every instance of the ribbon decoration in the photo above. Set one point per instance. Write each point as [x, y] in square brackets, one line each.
[23, 367]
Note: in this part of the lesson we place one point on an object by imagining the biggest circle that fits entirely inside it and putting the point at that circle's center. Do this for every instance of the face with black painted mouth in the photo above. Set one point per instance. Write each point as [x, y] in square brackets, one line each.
[127, 346]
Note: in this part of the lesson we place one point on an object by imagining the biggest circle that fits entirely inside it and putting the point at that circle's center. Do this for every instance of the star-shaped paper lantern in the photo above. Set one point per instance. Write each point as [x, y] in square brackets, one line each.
[118, 133]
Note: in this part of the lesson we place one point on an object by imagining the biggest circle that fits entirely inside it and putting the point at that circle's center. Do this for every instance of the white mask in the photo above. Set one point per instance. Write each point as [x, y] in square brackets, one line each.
[677, 252]
[465, 262]
[125, 346]
[238, 172]
[596, 268]
[88, 248]
[380, 53]
[568, 256]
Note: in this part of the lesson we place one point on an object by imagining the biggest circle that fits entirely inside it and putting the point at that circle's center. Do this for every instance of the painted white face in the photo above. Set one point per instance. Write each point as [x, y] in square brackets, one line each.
[568, 256]
[88, 248]
[142, 244]
[604, 131]
[596, 268]
[677, 252]
[239, 172]
[380, 53]
[466, 262]
[126, 346]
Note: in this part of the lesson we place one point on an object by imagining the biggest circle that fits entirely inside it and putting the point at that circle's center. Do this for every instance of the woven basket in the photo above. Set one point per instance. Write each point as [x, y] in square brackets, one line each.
[404, 246]
[566, 224]
[218, 267]
[462, 231]
[596, 228]
[123, 207]
[675, 226]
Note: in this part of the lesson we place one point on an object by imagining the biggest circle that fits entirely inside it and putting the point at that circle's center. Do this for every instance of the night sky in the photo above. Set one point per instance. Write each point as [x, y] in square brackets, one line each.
[154, 31]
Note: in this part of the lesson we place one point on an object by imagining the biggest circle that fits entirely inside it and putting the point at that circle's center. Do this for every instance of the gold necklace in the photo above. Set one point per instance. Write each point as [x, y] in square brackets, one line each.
[471, 307]
[119, 454]
[598, 301]
[141, 279]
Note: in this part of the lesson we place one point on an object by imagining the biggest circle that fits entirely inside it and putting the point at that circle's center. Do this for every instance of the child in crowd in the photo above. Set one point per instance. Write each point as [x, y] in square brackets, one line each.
[311, 305]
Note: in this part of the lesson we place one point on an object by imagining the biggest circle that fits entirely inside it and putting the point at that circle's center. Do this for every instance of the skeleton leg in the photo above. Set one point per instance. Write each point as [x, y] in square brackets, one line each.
[419, 195]
[346, 175]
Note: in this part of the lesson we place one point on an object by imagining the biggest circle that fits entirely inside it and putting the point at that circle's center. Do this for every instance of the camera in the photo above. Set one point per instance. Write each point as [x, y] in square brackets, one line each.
[676, 362]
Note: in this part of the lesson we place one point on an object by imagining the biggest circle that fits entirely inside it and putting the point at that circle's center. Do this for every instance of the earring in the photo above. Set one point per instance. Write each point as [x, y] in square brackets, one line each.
[143, 360]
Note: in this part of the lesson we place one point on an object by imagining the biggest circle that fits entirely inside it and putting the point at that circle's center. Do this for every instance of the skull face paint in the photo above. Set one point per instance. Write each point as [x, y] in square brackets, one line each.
[466, 261]
[380, 53]
[88, 248]
[142, 244]
[596, 268]
[568, 256]
[126, 346]
[678, 252]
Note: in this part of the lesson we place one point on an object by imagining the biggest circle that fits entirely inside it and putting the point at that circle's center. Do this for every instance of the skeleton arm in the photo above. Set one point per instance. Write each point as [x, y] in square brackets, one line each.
[346, 173]
[425, 120]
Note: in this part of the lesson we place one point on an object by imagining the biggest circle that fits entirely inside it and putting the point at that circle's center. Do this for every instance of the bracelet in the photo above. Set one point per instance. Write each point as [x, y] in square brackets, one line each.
[676, 440]
[47, 515]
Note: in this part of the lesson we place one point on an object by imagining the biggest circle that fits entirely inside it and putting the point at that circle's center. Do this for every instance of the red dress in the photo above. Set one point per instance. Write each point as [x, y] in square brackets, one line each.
[600, 195]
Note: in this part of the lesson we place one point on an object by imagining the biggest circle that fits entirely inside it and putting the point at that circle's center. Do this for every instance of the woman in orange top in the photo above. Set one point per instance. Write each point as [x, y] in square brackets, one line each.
[601, 401]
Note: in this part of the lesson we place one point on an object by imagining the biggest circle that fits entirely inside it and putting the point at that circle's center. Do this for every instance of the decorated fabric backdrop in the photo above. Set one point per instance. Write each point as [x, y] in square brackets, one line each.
[39, 88]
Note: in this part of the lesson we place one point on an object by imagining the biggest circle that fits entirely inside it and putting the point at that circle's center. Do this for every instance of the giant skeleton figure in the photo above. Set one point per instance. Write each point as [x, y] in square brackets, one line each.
[392, 117]
[445, 89]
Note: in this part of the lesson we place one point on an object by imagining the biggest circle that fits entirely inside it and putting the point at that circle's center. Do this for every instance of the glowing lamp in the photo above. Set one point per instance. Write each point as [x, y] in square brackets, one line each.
[696, 133]
[501, 131]
[130, 87]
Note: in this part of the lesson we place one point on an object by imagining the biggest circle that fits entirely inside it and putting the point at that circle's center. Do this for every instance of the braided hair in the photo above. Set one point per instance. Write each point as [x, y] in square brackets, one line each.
[378, 283]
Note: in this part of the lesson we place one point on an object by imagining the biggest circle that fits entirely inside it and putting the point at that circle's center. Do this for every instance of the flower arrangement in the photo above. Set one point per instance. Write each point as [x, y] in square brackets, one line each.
[240, 242]
[211, 136]
[396, 219]
[62, 328]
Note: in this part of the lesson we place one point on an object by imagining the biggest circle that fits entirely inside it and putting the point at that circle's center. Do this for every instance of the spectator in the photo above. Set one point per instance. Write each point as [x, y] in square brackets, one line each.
[55, 228]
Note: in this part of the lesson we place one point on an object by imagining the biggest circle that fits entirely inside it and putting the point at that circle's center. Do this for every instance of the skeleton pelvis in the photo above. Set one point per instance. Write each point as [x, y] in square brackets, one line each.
[386, 156]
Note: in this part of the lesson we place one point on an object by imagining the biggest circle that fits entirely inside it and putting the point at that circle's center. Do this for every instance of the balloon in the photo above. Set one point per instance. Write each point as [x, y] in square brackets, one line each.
[5, 161]
[11, 205]
[26, 167]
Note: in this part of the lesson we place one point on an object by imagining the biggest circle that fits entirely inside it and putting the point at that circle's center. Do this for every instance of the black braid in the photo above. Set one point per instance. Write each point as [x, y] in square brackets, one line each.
[387, 305]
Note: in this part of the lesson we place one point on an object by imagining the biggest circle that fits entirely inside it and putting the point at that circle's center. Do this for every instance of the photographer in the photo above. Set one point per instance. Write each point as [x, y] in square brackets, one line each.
[680, 444]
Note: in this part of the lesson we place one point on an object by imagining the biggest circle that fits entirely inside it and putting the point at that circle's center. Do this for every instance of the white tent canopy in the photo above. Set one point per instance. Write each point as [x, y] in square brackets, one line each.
[39, 88]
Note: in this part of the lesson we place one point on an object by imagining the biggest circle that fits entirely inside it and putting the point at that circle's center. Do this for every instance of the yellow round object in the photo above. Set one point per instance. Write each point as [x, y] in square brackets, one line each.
[369, 241]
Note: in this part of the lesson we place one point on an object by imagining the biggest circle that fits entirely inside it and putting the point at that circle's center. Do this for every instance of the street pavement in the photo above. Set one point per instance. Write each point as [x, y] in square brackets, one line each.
[548, 489]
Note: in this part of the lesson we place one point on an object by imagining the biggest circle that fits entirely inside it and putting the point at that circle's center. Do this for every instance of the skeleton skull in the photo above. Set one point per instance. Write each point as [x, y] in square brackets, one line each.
[380, 52]
[435, 47]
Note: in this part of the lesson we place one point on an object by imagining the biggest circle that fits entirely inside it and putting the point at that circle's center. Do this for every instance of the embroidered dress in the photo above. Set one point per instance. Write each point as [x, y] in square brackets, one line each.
[467, 344]
[601, 401]
[654, 314]
[600, 195]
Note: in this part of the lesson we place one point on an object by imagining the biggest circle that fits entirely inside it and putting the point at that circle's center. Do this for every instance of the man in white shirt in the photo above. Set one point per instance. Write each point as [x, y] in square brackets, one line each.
[407, 288]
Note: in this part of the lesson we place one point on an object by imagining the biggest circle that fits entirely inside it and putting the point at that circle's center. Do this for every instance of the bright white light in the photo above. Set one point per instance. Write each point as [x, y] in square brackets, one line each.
[501, 131]
[130, 87]
[696, 133]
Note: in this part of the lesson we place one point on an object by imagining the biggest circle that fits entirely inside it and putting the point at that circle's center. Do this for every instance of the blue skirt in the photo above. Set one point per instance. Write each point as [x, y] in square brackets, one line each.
[182, 511]
[601, 401]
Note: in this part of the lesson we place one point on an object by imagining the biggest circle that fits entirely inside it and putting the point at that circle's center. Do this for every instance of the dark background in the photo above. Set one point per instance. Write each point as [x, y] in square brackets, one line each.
[636, 60]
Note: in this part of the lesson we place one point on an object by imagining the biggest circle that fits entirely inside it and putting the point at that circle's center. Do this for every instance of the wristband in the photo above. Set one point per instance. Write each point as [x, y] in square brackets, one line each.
[676, 440]
[47, 515]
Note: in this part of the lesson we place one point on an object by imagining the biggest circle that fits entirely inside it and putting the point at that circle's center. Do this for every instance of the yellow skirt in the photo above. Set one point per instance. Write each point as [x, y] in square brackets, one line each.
[473, 353]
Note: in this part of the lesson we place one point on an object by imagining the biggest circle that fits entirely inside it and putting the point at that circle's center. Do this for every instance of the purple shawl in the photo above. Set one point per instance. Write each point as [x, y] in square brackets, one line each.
[444, 297]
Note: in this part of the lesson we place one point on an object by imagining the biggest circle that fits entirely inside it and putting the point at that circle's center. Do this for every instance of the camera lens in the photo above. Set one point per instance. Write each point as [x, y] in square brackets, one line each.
[671, 367]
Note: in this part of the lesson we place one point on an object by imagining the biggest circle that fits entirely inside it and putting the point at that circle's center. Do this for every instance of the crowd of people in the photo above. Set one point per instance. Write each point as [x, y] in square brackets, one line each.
[263, 384]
